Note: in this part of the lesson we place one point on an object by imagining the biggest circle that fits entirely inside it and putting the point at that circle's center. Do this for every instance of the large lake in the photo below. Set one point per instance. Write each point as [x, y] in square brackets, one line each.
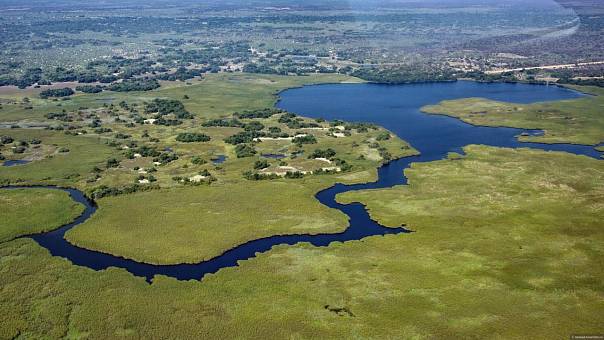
[395, 107]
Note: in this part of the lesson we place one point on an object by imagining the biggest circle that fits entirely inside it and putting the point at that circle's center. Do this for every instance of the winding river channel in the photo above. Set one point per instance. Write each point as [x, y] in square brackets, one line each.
[396, 108]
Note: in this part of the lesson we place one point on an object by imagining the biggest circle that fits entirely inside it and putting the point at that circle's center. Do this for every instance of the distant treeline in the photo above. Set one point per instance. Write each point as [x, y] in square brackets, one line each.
[103, 71]
[584, 82]
[405, 74]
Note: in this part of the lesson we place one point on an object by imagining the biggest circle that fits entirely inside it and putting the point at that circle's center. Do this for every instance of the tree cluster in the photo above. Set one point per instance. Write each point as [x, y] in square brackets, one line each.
[189, 137]
[64, 92]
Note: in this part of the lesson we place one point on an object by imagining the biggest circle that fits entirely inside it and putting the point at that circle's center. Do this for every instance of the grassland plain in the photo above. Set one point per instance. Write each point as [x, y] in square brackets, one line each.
[29, 211]
[568, 121]
[507, 245]
[214, 96]
[53, 167]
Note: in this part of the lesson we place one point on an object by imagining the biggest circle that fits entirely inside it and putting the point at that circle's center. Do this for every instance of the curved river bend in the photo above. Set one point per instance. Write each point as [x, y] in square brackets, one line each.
[396, 108]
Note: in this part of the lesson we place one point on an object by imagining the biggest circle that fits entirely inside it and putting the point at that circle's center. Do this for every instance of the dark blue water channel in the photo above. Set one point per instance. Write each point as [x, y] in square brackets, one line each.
[396, 108]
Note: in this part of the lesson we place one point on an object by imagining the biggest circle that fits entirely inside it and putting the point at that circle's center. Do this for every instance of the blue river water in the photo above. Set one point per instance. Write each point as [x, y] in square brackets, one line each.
[396, 108]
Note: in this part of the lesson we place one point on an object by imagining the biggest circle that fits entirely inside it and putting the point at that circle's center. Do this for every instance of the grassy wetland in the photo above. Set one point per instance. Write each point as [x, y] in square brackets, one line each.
[193, 224]
[494, 228]
[45, 210]
[468, 269]
[576, 121]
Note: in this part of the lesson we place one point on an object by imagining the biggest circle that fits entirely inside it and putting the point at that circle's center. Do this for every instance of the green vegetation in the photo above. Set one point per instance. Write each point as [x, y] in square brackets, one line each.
[216, 96]
[90, 88]
[192, 224]
[584, 82]
[261, 113]
[244, 150]
[261, 164]
[124, 146]
[188, 137]
[529, 232]
[243, 137]
[168, 106]
[505, 225]
[202, 218]
[534, 260]
[134, 85]
[407, 74]
[327, 153]
[131, 166]
[568, 121]
[508, 243]
[307, 139]
[104, 191]
[64, 92]
[51, 166]
[105, 139]
[223, 123]
[30, 211]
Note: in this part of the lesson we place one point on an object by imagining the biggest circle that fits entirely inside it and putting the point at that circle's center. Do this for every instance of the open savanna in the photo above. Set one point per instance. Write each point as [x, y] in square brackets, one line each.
[576, 121]
[354, 149]
[28, 211]
[214, 96]
[82, 154]
[507, 245]
[217, 95]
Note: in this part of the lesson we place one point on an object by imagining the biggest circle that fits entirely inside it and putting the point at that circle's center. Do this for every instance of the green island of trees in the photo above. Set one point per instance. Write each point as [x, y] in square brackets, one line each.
[134, 85]
[64, 92]
[189, 137]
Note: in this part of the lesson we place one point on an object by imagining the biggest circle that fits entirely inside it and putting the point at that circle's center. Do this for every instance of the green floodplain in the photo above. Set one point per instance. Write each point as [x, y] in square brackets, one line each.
[29, 211]
[567, 121]
[507, 243]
